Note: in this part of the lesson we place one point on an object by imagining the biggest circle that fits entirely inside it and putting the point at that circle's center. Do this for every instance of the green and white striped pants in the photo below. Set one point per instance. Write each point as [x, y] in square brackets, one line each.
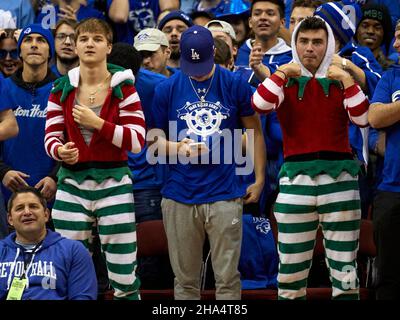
[302, 205]
[110, 203]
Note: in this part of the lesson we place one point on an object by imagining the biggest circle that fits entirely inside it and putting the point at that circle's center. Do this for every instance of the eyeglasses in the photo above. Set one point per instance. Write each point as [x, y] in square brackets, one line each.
[13, 54]
[62, 37]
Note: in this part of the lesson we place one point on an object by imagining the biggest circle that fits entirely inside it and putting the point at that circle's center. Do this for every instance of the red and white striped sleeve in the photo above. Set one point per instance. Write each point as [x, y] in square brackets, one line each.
[54, 132]
[269, 95]
[356, 105]
[130, 133]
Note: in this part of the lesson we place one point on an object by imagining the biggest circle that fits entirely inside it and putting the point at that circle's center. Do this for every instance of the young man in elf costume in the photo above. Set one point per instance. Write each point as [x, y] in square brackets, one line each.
[95, 117]
[314, 100]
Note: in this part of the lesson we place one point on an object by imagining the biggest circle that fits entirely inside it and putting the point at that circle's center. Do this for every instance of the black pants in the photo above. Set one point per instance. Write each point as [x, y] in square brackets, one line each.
[386, 215]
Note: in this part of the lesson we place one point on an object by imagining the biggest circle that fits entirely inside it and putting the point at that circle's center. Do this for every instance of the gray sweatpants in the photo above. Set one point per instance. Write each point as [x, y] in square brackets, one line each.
[186, 226]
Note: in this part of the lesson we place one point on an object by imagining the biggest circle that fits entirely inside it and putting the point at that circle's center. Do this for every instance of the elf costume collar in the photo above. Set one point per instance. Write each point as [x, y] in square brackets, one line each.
[69, 82]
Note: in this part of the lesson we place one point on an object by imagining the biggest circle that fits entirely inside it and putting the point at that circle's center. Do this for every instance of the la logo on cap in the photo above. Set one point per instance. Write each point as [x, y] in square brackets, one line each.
[195, 55]
[28, 31]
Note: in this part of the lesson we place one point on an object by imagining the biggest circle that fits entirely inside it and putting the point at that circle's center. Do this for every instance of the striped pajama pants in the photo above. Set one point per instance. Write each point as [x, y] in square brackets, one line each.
[304, 204]
[109, 204]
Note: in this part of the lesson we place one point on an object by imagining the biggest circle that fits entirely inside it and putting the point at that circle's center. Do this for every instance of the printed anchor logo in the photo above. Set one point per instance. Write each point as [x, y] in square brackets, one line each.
[203, 118]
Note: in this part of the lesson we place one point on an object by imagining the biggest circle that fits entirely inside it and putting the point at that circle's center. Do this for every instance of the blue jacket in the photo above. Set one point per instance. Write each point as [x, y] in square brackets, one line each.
[26, 151]
[278, 55]
[61, 269]
[363, 58]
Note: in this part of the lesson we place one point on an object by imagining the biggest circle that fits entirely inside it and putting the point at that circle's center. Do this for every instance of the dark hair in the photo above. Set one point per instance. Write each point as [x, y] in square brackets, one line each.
[205, 14]
[68, 22]
[8, 34]
[222, 53]
[126, 56]
[314, 4]
[94, 25]
[311, 23]
[27, 189]
[279, 3]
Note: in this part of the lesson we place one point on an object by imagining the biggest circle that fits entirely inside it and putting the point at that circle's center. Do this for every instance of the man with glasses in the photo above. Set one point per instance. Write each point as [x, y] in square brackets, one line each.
[66, 57]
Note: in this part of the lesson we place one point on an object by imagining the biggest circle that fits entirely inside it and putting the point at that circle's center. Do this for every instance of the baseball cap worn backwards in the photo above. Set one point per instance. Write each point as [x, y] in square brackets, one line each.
[150, 39]
[197, 51]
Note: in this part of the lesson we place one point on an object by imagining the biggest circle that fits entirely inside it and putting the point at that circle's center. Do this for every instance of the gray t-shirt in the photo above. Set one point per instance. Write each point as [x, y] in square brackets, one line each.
[88, 133]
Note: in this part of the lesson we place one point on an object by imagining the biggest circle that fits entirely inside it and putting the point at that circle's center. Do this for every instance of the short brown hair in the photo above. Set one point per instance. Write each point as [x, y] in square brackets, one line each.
[313, 4]
[279, 3]
[311, 23]
[222, 53]
[94, 25]
[68, 22]
[27, 189]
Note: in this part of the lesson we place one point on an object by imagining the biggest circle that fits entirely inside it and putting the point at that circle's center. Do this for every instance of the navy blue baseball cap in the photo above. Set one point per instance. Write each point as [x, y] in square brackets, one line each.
[175, 15]
[197, 51]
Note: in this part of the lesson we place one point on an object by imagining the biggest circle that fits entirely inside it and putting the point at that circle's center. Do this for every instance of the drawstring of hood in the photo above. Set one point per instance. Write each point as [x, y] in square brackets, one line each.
[12, 269]
[26, 271]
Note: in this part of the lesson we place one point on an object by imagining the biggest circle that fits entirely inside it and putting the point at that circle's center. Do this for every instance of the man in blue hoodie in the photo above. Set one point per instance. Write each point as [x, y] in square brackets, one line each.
[384, 115]
[38, 264]
[267, 51]
[27, 93]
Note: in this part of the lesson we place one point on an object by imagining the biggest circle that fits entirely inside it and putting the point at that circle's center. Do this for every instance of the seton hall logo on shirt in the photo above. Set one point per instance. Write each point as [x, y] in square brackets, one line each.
[203, 118]
[34, 112]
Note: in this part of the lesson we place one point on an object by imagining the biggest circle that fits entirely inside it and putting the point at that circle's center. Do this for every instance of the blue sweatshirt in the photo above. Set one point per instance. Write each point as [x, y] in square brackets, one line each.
[363, 58]
[145, 175]
[61, 269]
[278, 55]
[26, 151]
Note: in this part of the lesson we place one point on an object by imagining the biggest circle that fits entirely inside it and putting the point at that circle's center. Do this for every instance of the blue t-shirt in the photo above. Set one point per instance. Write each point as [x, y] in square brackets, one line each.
[83, 13]
[177, 104]
[142, 15]
[146, 176]
[388, 91]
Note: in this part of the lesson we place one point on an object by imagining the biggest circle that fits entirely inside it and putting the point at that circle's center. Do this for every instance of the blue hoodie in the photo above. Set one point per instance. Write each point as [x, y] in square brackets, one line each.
[26, 151]
[278, 55]
[363, 58]
[61, 269]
